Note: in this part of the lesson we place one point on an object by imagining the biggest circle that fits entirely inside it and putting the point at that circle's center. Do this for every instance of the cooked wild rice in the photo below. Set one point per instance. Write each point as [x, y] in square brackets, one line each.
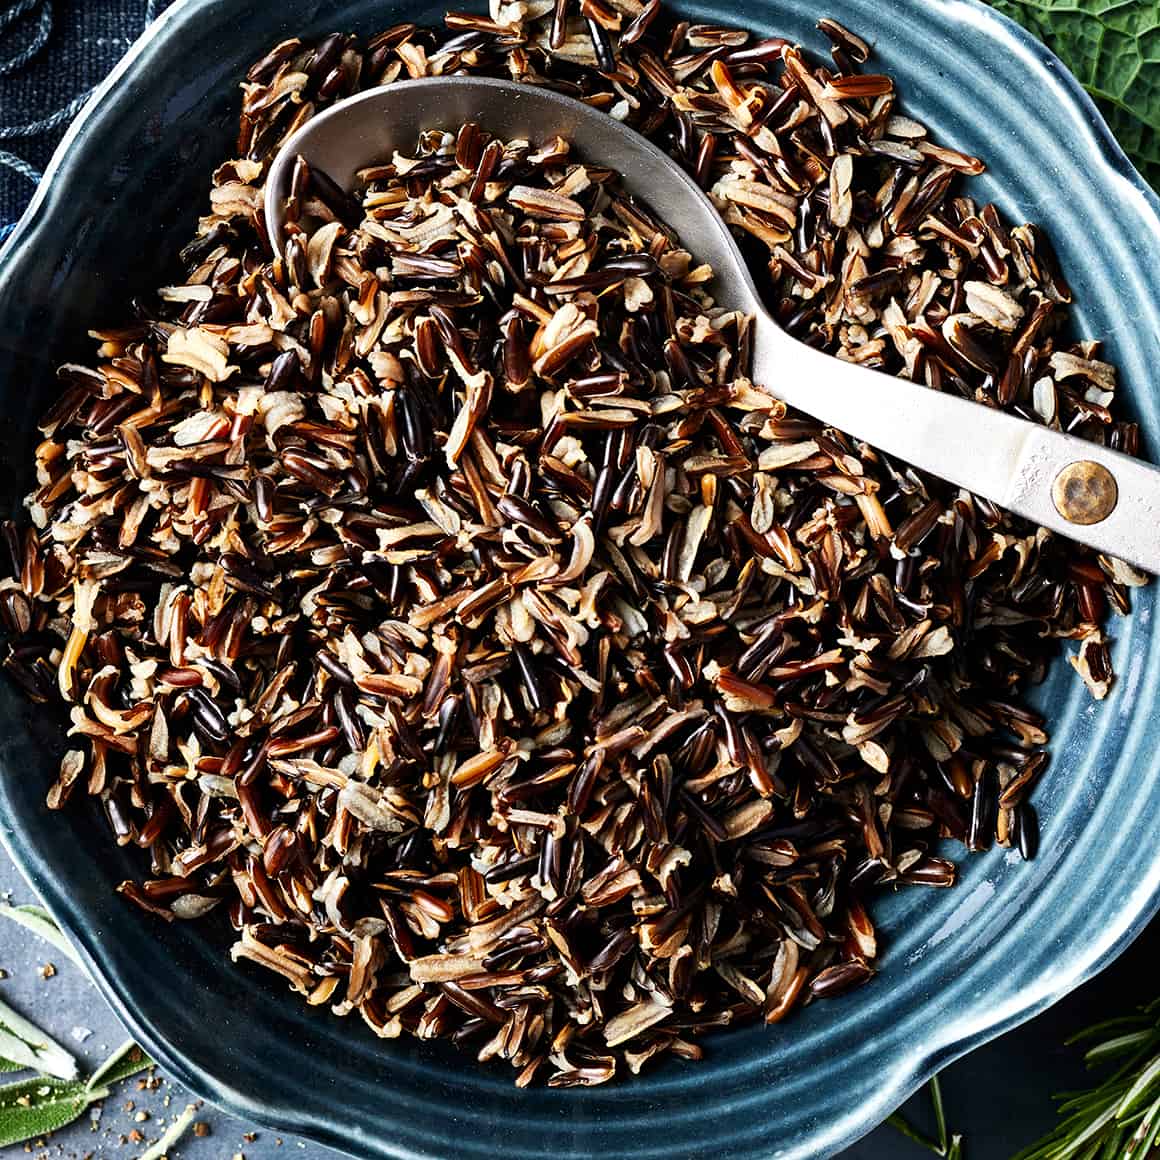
[442, 602]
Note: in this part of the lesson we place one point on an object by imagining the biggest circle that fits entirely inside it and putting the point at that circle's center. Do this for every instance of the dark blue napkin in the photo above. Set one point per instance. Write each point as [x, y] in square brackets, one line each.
[52, 53]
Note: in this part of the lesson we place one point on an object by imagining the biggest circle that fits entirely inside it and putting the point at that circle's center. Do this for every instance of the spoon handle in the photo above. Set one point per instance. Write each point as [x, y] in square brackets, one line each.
[1101, 498]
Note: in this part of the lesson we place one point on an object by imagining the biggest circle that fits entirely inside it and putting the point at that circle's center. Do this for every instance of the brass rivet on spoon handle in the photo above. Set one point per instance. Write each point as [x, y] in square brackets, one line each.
[1084, 492]
[1094, 495]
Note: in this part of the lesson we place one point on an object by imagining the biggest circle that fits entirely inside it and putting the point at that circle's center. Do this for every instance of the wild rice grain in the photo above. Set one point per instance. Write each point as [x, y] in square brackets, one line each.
[442, 603]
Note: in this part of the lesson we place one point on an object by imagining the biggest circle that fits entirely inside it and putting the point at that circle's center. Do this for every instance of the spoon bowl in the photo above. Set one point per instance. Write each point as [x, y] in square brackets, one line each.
[368, 127]
[1095, 496]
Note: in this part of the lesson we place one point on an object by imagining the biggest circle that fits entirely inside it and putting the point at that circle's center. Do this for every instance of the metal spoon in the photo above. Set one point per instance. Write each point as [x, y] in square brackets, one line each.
[1097, 497]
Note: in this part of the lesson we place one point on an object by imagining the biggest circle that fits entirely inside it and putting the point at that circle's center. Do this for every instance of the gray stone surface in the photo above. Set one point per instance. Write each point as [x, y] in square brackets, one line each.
[67, 1006]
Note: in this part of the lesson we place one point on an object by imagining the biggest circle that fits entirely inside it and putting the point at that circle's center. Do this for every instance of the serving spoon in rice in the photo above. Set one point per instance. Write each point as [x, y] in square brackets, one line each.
[1093, 495]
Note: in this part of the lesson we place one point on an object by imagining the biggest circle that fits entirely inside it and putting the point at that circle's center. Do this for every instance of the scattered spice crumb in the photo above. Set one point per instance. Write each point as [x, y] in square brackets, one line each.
[47, 970]
[201, 1129]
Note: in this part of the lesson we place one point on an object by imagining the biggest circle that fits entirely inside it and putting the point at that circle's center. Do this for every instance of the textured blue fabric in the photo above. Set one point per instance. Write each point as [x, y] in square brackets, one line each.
[52, 53]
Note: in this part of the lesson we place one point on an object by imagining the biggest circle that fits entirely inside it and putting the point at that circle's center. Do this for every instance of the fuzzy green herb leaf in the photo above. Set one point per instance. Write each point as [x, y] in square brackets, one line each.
[127, 1060]
[10, 1065]
[23, 1043]
[40, 923]
[1113, 47]
[32, 1107]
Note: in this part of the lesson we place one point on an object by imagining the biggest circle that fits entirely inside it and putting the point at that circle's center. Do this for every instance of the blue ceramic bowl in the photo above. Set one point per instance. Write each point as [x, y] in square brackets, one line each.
[960, 966]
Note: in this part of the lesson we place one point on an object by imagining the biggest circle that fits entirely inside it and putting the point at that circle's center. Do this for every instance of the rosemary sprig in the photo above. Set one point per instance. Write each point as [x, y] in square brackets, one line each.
[947, 1144]
[1119, 1119]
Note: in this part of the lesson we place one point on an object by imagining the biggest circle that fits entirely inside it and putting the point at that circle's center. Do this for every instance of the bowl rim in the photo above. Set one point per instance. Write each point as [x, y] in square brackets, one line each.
[901, 1076]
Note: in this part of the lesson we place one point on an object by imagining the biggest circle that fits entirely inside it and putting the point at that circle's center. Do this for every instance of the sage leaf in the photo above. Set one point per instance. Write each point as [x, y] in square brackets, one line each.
[127, 1060]
[23, 1054]
[1114, 50]
[24, 1043]
[40, 922]
[10, 1065]
[32, 1107]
